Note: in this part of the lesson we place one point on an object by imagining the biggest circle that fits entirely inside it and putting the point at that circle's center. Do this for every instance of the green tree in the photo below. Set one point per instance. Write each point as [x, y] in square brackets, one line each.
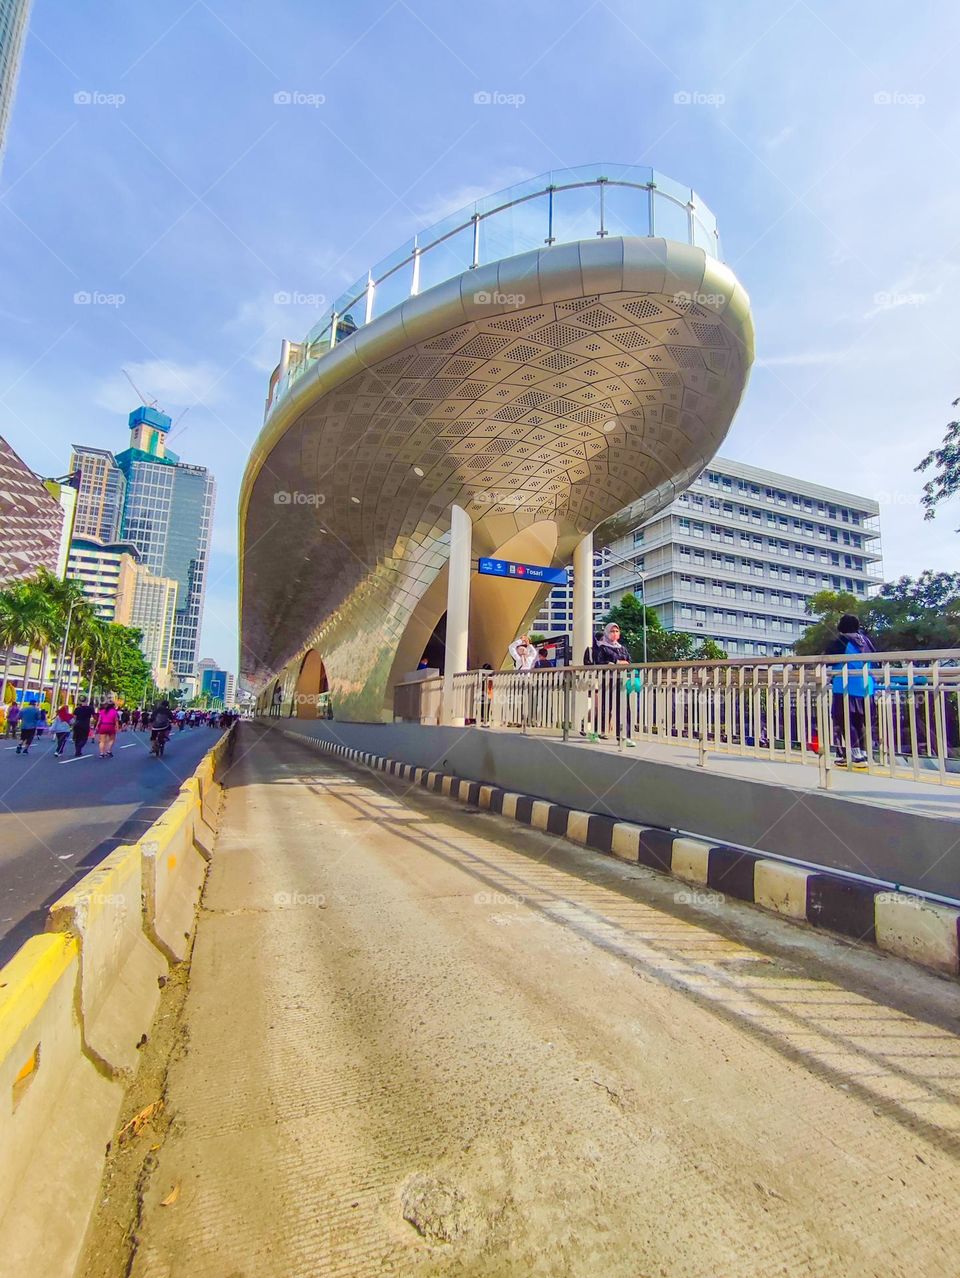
[662, 645]
[906, 615]
[828, 606]
[945, 463]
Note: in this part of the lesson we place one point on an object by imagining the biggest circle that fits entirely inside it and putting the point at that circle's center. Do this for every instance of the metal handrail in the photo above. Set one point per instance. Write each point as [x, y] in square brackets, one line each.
[889, 713]
[322, 337]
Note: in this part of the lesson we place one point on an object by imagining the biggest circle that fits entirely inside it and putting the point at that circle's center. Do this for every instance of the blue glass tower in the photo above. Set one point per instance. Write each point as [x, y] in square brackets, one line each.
[13, 31]
[167, 512]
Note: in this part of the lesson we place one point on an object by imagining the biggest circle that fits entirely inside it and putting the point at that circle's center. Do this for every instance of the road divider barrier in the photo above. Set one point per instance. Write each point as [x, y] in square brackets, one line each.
[120, 970]
[75, 1004]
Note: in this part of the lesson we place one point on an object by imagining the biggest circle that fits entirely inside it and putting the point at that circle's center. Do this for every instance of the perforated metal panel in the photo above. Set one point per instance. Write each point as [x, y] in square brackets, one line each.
[603, 401]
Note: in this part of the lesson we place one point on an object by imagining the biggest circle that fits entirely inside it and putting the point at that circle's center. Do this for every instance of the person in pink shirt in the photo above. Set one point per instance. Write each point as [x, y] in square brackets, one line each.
[108, 720]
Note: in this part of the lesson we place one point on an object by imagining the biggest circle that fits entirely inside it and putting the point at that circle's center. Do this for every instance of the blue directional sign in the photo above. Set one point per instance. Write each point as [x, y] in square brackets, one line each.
[523, 572]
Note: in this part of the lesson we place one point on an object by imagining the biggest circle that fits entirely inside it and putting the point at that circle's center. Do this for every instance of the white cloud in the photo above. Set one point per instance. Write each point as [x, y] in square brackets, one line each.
[778, 139]
[171, 384]
[443, 204]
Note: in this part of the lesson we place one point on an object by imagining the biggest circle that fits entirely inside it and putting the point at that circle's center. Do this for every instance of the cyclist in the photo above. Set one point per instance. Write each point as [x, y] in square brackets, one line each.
[161, 721]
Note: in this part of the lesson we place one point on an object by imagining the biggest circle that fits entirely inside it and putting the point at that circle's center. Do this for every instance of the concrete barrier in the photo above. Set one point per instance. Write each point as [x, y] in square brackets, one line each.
[120, 969]
[203, 834]
[74, 1002]
[173, 875]
[57, 1111]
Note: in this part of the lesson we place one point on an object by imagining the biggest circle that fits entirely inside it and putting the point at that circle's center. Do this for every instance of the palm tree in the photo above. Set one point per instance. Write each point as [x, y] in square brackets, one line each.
[26, 620]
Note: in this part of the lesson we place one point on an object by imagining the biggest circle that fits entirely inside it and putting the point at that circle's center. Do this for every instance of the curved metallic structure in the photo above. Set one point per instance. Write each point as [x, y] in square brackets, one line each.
[548, 393]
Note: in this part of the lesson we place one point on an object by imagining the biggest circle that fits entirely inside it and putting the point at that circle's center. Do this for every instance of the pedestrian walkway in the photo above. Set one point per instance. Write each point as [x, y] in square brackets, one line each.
[422, 1040]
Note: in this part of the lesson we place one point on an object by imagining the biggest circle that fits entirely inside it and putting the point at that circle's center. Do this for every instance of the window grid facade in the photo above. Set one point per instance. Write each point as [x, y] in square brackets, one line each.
[736, 557]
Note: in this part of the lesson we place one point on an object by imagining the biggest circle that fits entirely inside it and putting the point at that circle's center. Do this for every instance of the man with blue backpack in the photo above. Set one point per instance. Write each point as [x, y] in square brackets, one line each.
[854, 687]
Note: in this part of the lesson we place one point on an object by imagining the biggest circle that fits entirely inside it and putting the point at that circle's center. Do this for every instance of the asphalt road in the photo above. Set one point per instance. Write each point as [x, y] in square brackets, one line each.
[421, 1040]
[59, 817]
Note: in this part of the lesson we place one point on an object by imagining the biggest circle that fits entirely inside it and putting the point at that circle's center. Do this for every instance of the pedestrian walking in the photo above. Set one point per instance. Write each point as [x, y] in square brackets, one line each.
[135, 719]
[851, 691]
[108, 721]
[13, 719]
[42, 721]
[124, 719]
[61, 728]
[82, 716]
[29, 718]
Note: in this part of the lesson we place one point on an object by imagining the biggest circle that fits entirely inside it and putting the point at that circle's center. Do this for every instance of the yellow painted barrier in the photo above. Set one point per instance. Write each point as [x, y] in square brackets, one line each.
[120, 969]
[57, 1111]
[173, 874]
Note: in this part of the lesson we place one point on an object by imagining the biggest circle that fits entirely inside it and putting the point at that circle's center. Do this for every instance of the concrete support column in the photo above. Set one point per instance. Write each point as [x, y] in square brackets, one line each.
[582, 597]
[458, 604]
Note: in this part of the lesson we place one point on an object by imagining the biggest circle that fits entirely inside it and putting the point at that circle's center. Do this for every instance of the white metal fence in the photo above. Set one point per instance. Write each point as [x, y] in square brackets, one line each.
[895, 715]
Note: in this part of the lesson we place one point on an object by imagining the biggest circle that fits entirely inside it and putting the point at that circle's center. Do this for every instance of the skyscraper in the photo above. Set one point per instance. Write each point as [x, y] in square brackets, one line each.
[31, 520]
[13, 31]
[167, 510]
[102, 488]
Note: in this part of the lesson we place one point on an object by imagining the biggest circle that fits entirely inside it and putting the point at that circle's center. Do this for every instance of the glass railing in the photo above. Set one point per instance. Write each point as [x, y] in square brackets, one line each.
[560, 207]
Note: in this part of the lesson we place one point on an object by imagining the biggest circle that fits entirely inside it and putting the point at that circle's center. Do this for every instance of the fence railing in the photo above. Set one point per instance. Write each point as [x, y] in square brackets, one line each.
[555, 208]
[896, 715]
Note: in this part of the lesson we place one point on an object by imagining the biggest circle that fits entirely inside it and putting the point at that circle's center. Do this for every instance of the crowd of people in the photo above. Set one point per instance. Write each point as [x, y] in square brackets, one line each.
[30, 721]
[851, 689]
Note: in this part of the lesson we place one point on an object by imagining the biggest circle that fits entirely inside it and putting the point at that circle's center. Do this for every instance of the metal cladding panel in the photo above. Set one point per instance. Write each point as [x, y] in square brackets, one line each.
[533, 414]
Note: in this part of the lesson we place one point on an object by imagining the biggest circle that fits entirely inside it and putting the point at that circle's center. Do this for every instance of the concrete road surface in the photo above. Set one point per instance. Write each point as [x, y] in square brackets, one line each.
[420, 1040]
[59, 817]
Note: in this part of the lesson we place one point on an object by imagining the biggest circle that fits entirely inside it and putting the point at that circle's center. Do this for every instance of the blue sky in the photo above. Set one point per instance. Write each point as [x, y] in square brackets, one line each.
[823, 137]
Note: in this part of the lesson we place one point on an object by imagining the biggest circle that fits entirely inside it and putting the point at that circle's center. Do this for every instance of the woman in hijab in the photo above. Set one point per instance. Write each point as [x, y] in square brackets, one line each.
[609, 651]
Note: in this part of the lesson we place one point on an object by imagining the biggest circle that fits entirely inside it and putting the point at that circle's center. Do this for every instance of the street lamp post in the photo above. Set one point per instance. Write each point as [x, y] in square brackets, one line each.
[641, 577]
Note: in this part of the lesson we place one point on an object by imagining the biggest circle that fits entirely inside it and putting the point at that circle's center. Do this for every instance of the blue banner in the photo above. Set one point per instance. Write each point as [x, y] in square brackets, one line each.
[523, 572]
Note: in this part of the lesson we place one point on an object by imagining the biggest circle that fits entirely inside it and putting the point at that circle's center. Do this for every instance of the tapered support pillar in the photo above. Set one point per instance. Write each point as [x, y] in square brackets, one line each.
[458, 606]
[582, 597]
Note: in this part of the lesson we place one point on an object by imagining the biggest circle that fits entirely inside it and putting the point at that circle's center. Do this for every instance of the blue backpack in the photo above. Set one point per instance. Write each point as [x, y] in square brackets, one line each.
[859, 681]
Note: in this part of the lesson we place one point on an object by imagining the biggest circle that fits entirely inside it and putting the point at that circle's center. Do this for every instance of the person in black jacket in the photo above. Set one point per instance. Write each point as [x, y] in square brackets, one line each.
[81, 727]
[609, 651]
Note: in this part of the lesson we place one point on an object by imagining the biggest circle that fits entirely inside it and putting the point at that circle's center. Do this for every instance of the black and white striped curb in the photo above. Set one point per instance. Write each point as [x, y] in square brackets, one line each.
[897, 922]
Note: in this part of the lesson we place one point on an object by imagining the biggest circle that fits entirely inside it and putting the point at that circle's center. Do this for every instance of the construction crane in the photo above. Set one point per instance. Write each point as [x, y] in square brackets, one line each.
[147, 403]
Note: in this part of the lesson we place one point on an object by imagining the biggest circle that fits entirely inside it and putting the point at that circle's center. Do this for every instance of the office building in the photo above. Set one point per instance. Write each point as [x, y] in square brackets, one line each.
[737, 555]
[100, 494]
[213, 684]
[31, 520]
[167, 511]
[13, 32]
[107, 573]
[556, 615]
[153, 611]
